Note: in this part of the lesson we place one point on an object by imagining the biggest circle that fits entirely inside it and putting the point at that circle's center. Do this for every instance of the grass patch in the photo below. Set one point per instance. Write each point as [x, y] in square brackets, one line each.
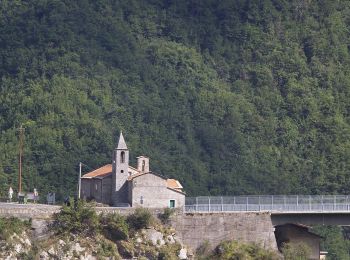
[9, 226]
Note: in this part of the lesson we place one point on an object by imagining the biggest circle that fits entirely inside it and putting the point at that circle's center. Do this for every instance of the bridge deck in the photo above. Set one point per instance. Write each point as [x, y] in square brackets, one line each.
[280, 204]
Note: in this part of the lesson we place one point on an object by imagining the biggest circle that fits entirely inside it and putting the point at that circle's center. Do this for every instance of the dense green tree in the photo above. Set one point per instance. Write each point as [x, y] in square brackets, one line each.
[230, 97]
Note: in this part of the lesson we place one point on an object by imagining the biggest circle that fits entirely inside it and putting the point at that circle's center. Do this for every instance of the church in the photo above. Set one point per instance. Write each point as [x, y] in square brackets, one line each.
[121, 185]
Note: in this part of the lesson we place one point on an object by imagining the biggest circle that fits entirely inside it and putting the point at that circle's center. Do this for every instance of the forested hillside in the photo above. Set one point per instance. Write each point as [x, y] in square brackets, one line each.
[230, 97]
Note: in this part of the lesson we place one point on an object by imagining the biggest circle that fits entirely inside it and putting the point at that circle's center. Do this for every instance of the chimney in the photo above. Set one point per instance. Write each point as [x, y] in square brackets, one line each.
[143, 164]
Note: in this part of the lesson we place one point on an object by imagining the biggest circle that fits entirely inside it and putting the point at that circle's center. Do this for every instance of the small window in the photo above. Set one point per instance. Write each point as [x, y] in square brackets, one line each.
[141, 200]
[122, 171]
[143, 165]
[122, 157]
[172, 204]
[95, 186]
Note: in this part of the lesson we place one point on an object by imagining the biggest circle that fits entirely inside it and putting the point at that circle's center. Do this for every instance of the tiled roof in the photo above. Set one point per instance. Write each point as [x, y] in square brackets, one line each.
[103, 171]
[100, 172]
[131, 177]
[171, 184]
[174, 184]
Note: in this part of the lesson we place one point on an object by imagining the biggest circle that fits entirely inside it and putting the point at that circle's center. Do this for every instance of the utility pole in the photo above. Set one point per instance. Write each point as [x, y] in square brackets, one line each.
[79, 183]
[21, 144]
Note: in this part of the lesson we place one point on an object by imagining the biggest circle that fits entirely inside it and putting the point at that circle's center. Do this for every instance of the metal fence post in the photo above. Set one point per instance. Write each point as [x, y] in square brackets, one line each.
[259, 204]
[222, 204]
[246, 205]
[272, 202]
[309, 202]
[297, 203]
[196, 203]
[209, 203]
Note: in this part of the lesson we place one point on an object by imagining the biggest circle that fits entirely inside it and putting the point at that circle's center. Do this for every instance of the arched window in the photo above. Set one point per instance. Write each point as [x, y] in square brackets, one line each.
[143, 165]
[122, 157]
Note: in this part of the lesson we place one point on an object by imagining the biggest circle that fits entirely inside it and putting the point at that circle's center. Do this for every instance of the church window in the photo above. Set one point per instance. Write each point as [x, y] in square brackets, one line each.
[143, 165]
[122, 157]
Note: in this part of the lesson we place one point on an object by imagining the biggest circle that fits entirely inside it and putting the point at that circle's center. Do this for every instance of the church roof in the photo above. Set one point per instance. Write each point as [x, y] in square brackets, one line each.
[174, 184]
[171, 184]
[121, 143]
[100, 172]
[103, 172]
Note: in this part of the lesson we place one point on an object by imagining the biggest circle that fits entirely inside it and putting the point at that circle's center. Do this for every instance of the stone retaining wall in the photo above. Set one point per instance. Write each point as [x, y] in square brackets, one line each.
[248, 227]
[192, 229]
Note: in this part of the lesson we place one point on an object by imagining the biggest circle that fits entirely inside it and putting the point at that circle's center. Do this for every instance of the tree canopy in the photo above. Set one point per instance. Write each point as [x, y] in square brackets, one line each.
[229, 97]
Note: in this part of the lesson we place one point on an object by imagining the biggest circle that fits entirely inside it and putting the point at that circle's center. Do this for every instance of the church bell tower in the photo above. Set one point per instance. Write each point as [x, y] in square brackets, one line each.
[120, 167]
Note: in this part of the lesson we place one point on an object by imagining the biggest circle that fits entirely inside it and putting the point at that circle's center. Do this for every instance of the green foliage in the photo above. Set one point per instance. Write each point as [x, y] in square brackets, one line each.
[9, 226]
[108, 249]
[77, 218]
[114, 227]
[229, 97]
[334, 242]
[141, 218]
[169, 252]
[204, 251]
[235, 250]
[293, 251]
[165, 216]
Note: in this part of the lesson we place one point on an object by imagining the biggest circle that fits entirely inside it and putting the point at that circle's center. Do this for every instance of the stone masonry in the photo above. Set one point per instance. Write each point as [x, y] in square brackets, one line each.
[247, 227]
[192, 229]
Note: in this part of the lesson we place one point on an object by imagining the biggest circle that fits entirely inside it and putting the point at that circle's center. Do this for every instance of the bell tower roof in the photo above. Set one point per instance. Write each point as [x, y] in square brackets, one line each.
[121, 143]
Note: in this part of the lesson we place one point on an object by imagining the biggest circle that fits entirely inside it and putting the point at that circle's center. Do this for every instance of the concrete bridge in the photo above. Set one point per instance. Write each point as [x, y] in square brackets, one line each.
[302, 209]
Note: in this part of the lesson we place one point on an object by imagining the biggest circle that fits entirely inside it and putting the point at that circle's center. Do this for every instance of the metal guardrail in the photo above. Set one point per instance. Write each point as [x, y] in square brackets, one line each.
[273, 203]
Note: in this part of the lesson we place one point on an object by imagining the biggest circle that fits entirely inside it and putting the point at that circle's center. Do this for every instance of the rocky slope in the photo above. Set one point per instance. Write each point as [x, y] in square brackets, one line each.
[147, 243]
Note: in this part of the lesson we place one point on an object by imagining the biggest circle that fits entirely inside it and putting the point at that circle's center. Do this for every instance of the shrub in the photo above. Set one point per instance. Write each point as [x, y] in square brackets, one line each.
[108, 249]
[204, 251]
[114, 227]
[295, 251]
[11, 225]
[165, 216]
[235, 250]
[77, 218]
[169, 252]
[141, 218]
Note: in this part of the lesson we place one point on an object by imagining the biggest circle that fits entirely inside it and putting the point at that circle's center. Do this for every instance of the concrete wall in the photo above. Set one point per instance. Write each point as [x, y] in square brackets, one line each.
[194, 229]
[150, 191]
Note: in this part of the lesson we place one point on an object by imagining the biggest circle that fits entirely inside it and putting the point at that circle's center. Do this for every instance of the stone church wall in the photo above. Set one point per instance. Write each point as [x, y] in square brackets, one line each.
[150, 191]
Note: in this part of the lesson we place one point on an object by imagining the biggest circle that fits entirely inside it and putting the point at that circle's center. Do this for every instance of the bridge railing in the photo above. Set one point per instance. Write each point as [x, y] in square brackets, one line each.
[280, 203]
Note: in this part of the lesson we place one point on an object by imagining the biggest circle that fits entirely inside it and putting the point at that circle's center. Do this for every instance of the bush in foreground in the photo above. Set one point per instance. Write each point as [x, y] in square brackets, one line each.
[165, 216]
[295, 251]
[234, 250]
[76, 218]
[11, 225]
[141, 218]
[114, 227]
